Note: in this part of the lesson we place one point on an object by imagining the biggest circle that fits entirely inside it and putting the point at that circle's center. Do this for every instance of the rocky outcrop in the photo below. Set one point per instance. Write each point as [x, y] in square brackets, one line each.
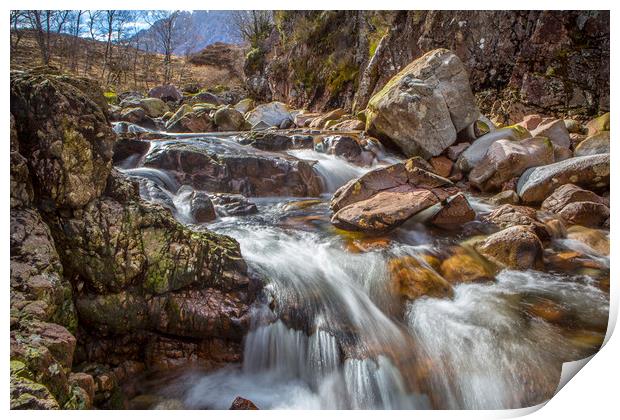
[553, 62]
[210, 165]
[591, 172]
[90, 260]
[423, 107]
[385, 198]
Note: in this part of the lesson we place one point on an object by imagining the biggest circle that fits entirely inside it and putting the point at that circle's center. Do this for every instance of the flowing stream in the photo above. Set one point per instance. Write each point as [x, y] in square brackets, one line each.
[328, 332]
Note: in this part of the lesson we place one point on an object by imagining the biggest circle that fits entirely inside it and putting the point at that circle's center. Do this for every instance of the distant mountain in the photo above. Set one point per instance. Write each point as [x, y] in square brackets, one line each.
[201, 28]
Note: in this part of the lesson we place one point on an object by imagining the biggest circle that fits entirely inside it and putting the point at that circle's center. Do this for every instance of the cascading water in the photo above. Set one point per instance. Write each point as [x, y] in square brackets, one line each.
[329, 333]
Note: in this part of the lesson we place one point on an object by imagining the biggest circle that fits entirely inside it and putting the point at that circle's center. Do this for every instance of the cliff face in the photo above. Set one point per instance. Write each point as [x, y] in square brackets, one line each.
[555, 62]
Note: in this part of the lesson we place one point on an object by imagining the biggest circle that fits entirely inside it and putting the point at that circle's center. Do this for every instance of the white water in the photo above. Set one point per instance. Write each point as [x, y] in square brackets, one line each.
[336, 338]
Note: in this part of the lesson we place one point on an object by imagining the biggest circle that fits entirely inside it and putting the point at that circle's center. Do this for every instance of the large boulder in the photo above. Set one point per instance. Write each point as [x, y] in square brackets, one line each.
[507, 159]
[423, 107]
[474, 154]
[273, 114]
[387, 197]
[64, 136]
[168, 93]
[154, 107]
[591, 172]
[210, 165]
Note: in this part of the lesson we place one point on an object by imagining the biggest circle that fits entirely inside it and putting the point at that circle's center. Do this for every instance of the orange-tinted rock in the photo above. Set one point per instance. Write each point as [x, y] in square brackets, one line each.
[455, 212]
[411, 279]
[242, 404]
[464, 268]
[585, 213]
[442, 166]
[516, 247]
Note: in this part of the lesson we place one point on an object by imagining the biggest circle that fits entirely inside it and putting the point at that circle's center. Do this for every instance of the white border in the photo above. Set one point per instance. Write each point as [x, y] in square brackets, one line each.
[594, 394]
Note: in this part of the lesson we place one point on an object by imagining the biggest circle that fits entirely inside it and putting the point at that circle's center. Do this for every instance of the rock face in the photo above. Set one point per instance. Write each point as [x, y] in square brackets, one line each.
[423, 107]
[96, 262]
[385, 198]
[520, 62]
[507, 159]
[67, 141]
[209, 165]
[591, 172]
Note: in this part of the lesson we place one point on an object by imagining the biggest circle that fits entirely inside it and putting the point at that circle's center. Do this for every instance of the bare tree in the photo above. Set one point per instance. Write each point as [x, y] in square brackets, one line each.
[41, 21]
[253, 25]
[19, 20]
[166, 36]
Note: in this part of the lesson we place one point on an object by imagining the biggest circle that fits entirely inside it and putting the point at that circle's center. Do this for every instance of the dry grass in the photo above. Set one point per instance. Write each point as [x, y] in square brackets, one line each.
[130, 69]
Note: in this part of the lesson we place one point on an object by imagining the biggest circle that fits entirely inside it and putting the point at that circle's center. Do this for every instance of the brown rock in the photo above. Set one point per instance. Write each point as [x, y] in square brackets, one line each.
[585, 213]
[453, 152]
[442, 166]
[454, 213]
[505, 197]
[242, 404]
[567, 194]
[413, 278]
[516, 247]
[462, 267]
[594, 238]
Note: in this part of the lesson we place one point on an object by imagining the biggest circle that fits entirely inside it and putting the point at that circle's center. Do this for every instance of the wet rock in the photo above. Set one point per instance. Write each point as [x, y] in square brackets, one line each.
[508, 159]
[475, 153]
[267, 141]
[516, 247]
[594, 145]
[232, 205]
[168, 93]
[229, 119]
[342, 146]
[463, 267]
[598, 124]
[201, 207]
[442, 166]
[211, 165]
[423, 107]
[242, 404]
[567, 194]
[509, 215]
[595, 239]
[385, 198]
[125, 148]
[454, 213]
[286, 124]
[536, 184]
[413, 278]
[384, 210]
[585, 213]
[67, 142]
[271, 114]
[504, 197]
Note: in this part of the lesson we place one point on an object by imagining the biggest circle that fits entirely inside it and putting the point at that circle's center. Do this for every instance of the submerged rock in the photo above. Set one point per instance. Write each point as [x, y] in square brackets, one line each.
[423, 107]
[413, 277]
[536, 184]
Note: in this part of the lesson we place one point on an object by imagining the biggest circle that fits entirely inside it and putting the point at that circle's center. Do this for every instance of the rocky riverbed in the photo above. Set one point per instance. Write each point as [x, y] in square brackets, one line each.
[175, 252]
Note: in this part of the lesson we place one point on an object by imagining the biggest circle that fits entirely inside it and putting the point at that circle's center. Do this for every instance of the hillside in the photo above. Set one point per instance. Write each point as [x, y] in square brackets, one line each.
[131, 69]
